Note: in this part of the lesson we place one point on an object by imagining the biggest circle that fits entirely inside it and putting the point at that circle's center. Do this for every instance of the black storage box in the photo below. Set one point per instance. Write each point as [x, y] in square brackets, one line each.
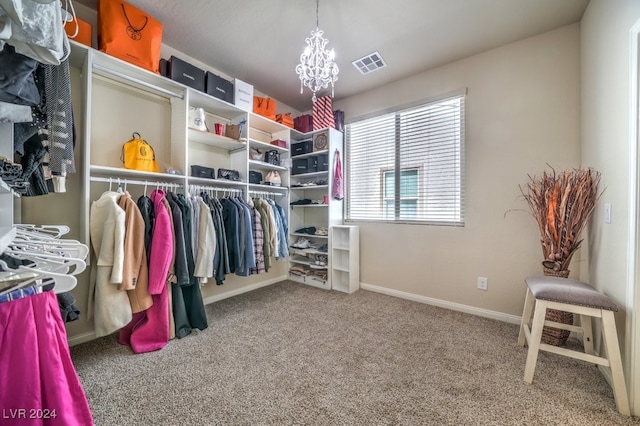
[219, 87]
[187, 74]
[299, 166]
[300, 148]
[304, 165]
[164, 68]
[312, 164]
[323, 162]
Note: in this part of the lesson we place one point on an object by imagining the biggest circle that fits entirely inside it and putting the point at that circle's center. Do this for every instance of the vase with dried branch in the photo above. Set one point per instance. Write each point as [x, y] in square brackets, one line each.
[561, 203]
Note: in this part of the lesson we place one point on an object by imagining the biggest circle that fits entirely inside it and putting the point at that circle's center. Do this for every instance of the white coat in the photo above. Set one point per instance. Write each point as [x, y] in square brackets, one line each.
[112, 309]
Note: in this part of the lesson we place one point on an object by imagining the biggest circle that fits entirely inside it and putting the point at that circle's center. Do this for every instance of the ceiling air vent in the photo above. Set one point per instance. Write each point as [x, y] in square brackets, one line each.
[369, 63]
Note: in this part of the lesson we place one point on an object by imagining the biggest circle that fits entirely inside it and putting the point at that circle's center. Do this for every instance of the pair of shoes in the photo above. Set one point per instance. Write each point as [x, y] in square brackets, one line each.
[302, 202]
[322, 231]
[309, 230]
[324, 248]
[302, 243]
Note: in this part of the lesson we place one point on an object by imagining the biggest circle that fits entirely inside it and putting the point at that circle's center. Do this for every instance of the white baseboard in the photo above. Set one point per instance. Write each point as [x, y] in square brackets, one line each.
[82, 338]
[241, 290]
[513, 319]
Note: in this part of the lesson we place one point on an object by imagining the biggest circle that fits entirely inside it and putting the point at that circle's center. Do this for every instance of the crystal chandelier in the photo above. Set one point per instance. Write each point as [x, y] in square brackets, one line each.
[317, 67]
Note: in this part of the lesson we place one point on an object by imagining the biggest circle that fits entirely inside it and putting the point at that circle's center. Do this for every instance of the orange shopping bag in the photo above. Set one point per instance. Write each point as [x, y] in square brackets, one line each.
[130, 34]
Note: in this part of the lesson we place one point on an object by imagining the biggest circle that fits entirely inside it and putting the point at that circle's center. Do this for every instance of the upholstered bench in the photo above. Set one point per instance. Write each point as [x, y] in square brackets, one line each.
[581, 299]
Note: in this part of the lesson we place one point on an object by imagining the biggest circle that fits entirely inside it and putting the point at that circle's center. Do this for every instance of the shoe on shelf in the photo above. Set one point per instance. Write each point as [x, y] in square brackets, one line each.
[324, 248]
[308, 230]
[322, 231]
[302, 243]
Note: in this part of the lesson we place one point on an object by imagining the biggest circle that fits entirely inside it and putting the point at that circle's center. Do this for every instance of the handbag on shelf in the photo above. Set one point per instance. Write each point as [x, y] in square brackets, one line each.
[303, 123]
[255, 177]
[203, 172]
[265, 107]
[130, 34]
[272, 157]
[228, 174]
[285, 119]
[137, 154]
[255, 154]
[338, 118]
[197, 119]
[273, 178]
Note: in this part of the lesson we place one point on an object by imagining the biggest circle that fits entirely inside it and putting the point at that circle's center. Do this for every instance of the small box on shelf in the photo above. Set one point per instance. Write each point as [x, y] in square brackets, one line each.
[218, 87]
[187, 74]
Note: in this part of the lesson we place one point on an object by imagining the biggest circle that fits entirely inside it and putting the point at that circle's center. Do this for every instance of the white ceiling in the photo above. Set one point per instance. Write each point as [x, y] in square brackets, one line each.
[260, 41]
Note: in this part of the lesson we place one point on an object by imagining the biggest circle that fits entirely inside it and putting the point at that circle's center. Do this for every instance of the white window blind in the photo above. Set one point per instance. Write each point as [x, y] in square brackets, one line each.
[408, 166]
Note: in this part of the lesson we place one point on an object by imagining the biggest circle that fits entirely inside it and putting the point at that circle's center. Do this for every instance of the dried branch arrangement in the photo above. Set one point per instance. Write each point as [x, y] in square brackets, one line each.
[561, 204]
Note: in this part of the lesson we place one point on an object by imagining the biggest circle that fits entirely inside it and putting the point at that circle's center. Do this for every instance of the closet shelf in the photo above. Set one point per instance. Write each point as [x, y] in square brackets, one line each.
[261, 165]
[309, 188]
[308, 206]
[266, 125]
[310, 154]
[267, 146]
[117, 172]
[300, 234]
[309, 263]
[268, 188]
[308, 175]
[213, 139]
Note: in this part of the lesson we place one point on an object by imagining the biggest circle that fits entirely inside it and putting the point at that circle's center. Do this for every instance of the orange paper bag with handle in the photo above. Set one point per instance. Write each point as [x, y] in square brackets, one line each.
[129, 33]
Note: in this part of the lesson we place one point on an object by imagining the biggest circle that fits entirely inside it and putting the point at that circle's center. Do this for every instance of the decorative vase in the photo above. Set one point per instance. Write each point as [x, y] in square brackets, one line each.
[556, 336]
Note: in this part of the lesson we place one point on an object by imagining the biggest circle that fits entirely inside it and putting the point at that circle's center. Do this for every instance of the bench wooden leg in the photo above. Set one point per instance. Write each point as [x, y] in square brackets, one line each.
[529, 302]
[534, 341]
[587, 334]
[610, 337]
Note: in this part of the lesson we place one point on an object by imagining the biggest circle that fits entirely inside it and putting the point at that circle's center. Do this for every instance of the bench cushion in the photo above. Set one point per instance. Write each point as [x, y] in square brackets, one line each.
[566, 290]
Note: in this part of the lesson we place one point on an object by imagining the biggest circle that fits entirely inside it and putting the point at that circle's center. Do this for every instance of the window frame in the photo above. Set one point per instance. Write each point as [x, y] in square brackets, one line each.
[458, 216]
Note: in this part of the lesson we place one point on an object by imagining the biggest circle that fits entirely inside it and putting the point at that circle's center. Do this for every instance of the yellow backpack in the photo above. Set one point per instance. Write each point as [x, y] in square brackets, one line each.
[137, 154]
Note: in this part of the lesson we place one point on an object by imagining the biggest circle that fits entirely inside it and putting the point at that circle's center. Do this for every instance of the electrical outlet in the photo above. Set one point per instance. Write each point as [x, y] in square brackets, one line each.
[483, 283]
[607, 213]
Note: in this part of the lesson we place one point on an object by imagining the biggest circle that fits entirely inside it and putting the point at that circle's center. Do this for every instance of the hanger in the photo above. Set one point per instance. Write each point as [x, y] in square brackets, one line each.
[42, 231]
[49, 262]
[63, 282]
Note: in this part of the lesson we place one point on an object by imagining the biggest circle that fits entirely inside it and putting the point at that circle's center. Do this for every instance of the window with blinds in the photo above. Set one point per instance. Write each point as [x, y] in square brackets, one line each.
[407, 166]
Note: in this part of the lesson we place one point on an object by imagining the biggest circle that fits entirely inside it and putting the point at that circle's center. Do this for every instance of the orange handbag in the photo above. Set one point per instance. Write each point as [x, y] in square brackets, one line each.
[285, 119]
[130, 34]
[265, 107]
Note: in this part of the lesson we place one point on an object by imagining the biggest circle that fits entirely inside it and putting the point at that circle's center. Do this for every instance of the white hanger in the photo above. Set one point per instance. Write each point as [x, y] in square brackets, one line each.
[48, 262]
[43, 231]
[63, 282]
[71, 248]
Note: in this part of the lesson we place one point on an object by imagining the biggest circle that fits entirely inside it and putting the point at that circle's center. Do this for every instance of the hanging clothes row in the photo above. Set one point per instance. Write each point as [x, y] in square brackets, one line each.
[153, 256]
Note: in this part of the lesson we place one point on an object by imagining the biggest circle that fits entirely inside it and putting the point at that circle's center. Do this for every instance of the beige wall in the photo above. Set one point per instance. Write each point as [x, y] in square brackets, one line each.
[606, 146]
[522, 112]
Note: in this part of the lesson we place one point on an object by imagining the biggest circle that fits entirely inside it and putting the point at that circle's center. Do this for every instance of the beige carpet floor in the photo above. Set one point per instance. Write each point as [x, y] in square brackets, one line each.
[291, 354]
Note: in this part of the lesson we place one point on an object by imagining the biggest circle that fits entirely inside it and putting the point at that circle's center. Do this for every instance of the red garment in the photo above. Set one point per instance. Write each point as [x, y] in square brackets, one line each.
[39, 384]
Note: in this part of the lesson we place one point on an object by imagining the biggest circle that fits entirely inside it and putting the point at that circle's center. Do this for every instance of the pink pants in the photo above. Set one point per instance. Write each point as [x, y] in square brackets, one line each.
[38, 382]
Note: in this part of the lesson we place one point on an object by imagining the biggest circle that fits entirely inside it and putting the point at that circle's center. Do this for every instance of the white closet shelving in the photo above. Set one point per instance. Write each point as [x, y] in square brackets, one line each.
[321, 214]
[345, 258]
[158, 109]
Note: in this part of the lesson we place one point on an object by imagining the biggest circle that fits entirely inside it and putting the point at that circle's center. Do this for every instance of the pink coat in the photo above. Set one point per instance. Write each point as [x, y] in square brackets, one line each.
[149, 330]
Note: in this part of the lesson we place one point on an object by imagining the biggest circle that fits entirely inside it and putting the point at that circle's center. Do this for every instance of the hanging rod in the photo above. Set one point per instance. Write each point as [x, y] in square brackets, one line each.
[213, 188]
[138, 81]
[134, 182]
[258, 192]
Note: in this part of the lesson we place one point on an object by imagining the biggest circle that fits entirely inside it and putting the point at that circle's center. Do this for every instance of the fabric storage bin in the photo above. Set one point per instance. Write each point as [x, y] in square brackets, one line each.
[187, 74]
[323, 162]
[299, 166]
[312, 164]
[300, 148]
[219, 87]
